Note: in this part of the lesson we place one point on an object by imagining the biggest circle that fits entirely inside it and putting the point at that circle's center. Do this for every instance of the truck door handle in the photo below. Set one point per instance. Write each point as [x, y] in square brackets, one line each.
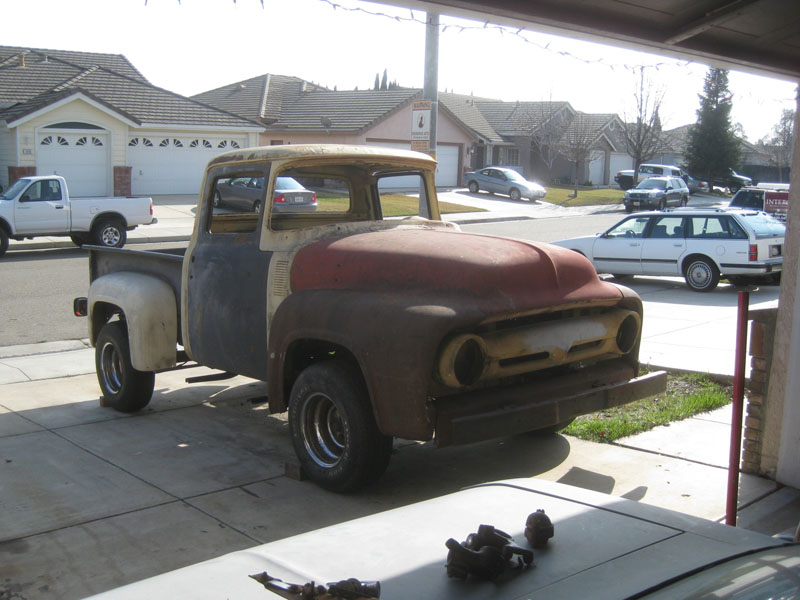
[59, 206]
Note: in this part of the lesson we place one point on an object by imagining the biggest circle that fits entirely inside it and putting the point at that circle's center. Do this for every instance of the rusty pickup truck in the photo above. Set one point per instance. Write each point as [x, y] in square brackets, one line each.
[367, 322]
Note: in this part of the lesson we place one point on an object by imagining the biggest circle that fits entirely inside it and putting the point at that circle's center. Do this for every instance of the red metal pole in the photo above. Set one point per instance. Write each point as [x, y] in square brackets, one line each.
[738, 409]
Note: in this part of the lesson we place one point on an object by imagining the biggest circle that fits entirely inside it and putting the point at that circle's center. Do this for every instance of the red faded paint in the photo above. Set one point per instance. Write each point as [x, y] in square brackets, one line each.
[499, 273]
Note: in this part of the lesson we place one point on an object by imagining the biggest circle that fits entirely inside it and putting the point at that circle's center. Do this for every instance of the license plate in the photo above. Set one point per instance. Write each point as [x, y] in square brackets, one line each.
[296, 199]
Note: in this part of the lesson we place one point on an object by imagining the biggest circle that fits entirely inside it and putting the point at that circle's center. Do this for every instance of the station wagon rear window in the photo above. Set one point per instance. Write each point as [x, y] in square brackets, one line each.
[763, 225]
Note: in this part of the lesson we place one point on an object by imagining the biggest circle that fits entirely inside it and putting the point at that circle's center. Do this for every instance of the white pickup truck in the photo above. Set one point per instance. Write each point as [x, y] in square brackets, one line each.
[41, 206]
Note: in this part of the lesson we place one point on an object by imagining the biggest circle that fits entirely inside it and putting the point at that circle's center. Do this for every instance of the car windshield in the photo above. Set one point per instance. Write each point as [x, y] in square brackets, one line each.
[15, 189]
[513, 175]
[287, 183]
[652, 184]
[763, 225]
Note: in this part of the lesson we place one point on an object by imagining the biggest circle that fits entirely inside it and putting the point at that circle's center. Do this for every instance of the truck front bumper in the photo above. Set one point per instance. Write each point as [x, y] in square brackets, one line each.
[509, 410]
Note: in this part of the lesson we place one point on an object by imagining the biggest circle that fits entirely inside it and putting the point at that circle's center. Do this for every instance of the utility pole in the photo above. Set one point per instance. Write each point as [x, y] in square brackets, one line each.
[430, 90]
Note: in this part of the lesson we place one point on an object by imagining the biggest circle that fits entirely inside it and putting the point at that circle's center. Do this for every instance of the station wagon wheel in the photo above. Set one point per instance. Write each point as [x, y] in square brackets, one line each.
[473, 187]
[701, 274]
[514, 194]
[334, 433]
[124, 388]
[109, 232]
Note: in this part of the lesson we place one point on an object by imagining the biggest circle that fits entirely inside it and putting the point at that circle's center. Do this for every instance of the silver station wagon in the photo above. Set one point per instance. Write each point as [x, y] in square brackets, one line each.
[703, 246]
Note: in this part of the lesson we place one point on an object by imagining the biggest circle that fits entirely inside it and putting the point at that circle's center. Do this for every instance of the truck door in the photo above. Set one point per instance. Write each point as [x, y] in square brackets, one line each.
[42, 208]
[225, 281]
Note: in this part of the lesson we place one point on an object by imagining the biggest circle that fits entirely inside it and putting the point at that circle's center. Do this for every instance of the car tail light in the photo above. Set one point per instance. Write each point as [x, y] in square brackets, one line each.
[752, 255]
[280, 199]
[151, 208]
[314, 198]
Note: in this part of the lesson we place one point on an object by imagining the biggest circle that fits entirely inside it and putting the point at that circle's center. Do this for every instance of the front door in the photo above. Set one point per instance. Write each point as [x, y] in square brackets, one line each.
[619, 250]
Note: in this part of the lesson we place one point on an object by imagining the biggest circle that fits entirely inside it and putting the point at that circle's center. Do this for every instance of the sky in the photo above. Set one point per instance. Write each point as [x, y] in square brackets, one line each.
[191, 46]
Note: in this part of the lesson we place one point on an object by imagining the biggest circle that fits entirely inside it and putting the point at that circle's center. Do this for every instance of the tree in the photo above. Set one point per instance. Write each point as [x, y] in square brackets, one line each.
[577, 144]
[377, 82]
[777, 145]
[713, 147]
[642, 131]
[384, 81]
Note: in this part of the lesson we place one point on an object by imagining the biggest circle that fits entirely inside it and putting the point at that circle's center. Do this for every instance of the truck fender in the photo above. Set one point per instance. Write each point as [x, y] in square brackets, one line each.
[108, 215]
[150, 309]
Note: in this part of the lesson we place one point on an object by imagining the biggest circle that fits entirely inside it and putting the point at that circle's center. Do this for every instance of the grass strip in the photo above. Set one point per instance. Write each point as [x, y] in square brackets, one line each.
[686, 395]
[394, 205]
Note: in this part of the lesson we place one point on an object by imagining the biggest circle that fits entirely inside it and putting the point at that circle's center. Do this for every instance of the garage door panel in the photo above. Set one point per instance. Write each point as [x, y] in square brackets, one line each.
[81, 158]
[446, 169]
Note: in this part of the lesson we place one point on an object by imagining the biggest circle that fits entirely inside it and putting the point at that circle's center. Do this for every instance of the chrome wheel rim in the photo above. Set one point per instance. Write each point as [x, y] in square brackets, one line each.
[111, 368]
[110, 236]
[323, 430]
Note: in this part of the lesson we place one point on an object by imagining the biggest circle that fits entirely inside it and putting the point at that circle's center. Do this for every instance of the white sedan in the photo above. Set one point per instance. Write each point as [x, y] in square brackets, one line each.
[700, 245]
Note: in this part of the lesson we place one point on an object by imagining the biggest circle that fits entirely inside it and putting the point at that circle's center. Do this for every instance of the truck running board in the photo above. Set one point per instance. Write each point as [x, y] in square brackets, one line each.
[212, 377]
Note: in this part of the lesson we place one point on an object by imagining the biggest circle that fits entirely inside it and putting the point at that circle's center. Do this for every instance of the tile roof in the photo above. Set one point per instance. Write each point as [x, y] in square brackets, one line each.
[353, 110]
[466, 110]
[587, 127]
[46, 78]
[518, 118]
[260, 98]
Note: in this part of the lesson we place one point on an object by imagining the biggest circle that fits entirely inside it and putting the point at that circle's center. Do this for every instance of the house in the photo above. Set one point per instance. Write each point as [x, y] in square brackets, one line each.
[96, 120]
[294, 111]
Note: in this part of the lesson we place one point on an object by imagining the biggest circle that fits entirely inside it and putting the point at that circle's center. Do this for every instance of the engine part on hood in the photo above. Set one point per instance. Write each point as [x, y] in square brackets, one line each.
[347, 589]
[538, 529]
[485, 554]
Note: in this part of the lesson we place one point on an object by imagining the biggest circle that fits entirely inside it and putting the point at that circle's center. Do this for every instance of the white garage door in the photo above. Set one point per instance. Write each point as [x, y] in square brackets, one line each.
[446, 169]
[170, 165]
[596, 170]
[81, 158]
[620, 162]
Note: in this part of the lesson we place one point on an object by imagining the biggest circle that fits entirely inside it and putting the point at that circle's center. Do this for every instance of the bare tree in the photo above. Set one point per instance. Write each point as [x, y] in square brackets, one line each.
[777, 145]
[577, 144]
[544, 123]
[642, 131]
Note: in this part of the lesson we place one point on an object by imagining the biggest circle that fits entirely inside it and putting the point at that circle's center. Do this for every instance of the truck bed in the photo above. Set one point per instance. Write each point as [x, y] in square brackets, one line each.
[165, 264]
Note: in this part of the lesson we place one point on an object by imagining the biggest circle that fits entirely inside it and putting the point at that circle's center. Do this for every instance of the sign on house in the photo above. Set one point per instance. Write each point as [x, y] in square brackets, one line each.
[421, 125]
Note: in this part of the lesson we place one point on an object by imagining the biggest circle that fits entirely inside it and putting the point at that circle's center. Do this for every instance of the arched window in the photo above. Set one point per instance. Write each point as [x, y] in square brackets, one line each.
[163, 143]
[62, 141]
[82, 141]
[96, 141]
[177, 143]
[134, 142]
[47, 141]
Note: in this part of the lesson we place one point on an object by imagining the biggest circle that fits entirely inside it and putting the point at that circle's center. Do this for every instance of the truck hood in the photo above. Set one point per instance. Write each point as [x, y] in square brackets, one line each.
[498, 274]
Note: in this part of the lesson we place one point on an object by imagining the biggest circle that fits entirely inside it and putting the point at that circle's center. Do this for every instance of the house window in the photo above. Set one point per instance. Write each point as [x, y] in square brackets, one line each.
[62, 141]
[147, 143]
[163, 143]
[82, 141]
[96, 141]
[207, 144]
[177, 143]
[194, 143]
[47, 141]
[511, 157]
[223, 144]
[134, 142]
[234, 144]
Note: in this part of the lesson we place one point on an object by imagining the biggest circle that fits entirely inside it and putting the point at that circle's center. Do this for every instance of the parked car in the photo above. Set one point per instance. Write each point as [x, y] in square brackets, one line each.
[245, 193]
[657, 192]
[696, 185]
[732, 181]
[628, 178]
[701, 245]
[42, 206]
[602, 547]
[774, 202]
[500, 180]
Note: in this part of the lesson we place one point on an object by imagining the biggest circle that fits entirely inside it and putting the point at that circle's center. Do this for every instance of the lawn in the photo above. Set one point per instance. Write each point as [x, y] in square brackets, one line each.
[686, 395]
[586, 197]
[394, 205]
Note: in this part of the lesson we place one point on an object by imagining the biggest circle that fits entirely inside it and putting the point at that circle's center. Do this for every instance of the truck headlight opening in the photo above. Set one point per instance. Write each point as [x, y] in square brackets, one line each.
[463, 361]
[628, 333]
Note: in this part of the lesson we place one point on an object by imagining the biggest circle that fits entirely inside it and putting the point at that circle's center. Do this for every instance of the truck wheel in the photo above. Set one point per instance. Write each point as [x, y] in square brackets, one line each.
[109, 233]
[333, 430]
[701, 275]
[124, 388]
[3, 241]
[473, 187]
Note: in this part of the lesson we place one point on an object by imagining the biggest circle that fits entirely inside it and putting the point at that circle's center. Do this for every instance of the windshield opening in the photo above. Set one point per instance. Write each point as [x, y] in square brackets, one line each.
[652, 184]
[15, 189]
